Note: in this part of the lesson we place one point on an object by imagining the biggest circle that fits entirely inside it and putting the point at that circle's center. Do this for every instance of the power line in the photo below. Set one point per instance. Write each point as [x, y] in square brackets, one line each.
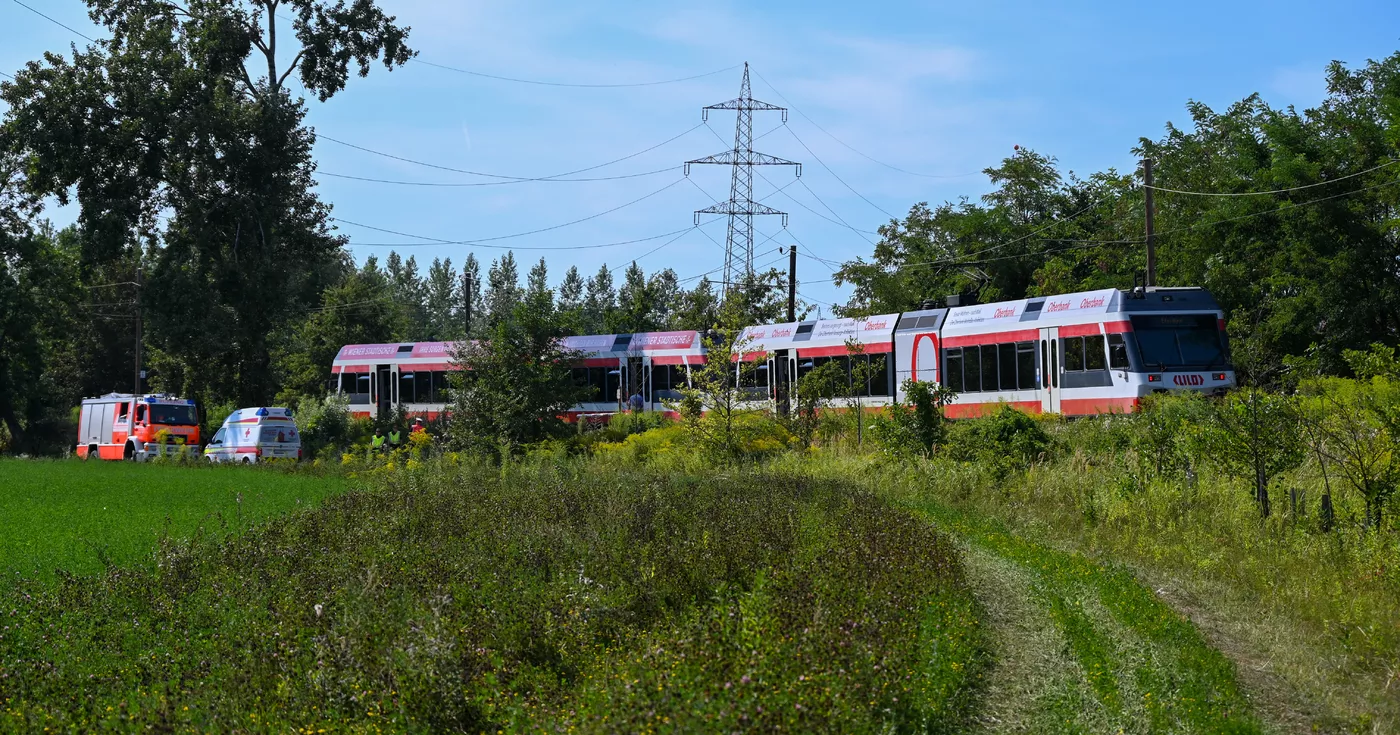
[568, 84]
[517, 234]
[7, 76]
[491, 183]
[516, 247]
[833, 173]
[1275, 191]
[794, 200]
[502, 176]
[1289, 205]
[852, 148]
[51, 20]
[666, 244]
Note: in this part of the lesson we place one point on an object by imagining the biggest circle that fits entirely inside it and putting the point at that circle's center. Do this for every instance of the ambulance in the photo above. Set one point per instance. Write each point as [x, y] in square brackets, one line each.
[131, 427]
[254, 434]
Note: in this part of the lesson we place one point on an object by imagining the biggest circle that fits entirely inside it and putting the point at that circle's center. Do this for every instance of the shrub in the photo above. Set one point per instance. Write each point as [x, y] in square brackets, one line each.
[917, 427]
[1006, 441]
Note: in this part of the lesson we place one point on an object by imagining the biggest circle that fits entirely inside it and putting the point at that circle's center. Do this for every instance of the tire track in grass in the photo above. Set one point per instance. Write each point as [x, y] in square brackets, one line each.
[1183, 684]
[1033, 685]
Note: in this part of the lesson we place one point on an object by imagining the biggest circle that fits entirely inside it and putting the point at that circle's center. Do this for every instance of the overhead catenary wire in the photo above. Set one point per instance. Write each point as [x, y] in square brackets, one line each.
[665, 245]
[516, 234]
[828, 133]
[55, 22]
[600, 246]
[506, 178]
[450, 184]
[809, 150]
[542, 83]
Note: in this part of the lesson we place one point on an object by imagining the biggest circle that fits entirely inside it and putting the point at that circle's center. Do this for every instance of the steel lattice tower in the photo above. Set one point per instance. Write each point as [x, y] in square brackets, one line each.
[741, 208]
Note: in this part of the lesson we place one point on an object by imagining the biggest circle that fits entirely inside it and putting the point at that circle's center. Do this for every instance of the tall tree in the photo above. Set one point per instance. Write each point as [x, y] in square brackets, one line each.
[571, 301]
[537, 290]
[442, 290]
[599, 300]
[634, 303]
[699, 307]
[182, 145]
[503, 291]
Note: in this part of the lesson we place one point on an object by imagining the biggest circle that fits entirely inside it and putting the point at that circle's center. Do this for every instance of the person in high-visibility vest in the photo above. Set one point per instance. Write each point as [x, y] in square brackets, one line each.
[394, 438]
[377, 443]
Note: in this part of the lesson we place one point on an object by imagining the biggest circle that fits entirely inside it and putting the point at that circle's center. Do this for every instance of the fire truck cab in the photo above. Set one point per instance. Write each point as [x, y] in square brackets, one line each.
[130, 427]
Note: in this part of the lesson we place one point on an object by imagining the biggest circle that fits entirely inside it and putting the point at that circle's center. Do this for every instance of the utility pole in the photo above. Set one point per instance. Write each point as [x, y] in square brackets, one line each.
[792, 283]
[136, 371]
[1151, 211]
[741, 208]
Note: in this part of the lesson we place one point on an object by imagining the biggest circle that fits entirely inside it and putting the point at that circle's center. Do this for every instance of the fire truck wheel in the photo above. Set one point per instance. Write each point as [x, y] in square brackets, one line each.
[91, 452]
[129, 452]
[247, 460]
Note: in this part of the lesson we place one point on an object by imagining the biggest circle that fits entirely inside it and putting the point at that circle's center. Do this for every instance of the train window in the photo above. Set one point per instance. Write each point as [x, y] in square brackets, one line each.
[423, 386]
[953, 370]
[1074, 354]
[1025, 365]
[1117, 352]
[879, 375]
[1054, 363]
[1006, 361]
[406, 381]
[1093, 353]
[989, 367]
[972, 369]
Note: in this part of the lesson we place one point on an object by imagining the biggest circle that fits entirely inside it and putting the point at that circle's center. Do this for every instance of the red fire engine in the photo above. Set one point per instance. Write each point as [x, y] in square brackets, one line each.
[124, 426]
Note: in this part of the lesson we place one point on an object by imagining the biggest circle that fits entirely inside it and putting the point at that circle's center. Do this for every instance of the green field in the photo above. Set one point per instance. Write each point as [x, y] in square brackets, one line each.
[80, 516]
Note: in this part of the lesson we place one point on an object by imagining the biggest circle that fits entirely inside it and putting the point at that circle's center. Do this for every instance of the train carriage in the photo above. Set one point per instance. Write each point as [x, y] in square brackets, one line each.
[861, 347]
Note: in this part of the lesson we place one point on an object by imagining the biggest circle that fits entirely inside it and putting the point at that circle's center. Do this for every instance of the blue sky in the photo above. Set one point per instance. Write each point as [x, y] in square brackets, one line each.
[938, 88]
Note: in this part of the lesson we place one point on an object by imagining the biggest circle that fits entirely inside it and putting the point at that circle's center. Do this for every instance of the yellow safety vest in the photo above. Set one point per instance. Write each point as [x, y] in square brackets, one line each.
[378, 441]
[394, 438]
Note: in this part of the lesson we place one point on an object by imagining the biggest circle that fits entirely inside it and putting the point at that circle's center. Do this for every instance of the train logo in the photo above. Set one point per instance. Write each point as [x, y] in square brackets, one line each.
[1189, 380]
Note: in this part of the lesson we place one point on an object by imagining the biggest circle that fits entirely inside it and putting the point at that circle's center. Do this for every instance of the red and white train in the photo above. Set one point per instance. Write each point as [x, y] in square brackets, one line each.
[1073, 354]
[378, 378]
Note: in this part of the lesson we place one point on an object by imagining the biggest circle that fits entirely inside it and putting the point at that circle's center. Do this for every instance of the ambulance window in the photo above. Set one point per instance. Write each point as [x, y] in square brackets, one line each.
[272, 434]
[218, 437]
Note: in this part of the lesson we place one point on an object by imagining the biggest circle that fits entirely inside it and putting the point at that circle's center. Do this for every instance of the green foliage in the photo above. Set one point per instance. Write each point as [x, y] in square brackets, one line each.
[814, 393]
[1379, 361]
[553, 598]
[918, 427]
[1163, 433]
[1007, 440]
[1354, 426]
[326, 424]
[514, 384]
[1255, 434]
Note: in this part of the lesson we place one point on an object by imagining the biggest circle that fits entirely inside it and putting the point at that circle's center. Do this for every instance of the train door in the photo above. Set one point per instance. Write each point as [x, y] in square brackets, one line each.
[1050, 370]
[383, 386]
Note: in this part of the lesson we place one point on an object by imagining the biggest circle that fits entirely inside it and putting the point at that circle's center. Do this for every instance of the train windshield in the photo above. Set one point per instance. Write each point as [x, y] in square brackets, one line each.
[173, 414]
[1179, 340]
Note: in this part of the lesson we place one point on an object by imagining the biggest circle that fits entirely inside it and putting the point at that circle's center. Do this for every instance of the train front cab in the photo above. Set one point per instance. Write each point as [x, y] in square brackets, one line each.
[1075, 354]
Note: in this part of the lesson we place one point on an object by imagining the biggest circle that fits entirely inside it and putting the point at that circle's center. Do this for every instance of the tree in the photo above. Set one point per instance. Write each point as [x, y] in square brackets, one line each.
[665, 290]
[442, 290]
[699, 307]
[1256, 434]
[571, 301]
[503, 292]
[635, 304]
[537, 290]
[180, 154]
[514, 384]
[599, 301]
[362, 310]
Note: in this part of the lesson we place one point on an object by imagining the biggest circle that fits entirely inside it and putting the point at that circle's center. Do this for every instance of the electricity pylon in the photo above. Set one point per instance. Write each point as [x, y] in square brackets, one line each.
[741, 208]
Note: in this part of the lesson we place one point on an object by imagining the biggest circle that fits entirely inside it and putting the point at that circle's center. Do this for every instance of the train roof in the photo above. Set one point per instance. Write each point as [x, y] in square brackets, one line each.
[438, 354]
[873, 332]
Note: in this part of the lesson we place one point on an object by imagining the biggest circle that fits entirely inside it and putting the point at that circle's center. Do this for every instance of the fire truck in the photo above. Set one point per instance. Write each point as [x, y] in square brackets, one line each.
[131, 427]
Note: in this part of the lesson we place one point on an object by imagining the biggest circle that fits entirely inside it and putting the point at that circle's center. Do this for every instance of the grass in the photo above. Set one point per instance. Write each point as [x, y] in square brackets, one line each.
[570, 597]
[81, 517]
[1309, 618]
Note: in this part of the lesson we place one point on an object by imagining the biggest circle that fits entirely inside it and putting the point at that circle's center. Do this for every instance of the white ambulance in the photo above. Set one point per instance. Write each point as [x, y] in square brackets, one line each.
[253, 434]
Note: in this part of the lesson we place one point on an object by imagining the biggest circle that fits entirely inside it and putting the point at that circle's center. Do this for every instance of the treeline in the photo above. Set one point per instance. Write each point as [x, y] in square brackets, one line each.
[189, 162]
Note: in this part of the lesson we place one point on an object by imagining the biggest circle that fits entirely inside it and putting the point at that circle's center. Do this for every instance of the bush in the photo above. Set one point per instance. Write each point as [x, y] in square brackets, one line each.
[1005, 441]
[326, 424]
[917, 427]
